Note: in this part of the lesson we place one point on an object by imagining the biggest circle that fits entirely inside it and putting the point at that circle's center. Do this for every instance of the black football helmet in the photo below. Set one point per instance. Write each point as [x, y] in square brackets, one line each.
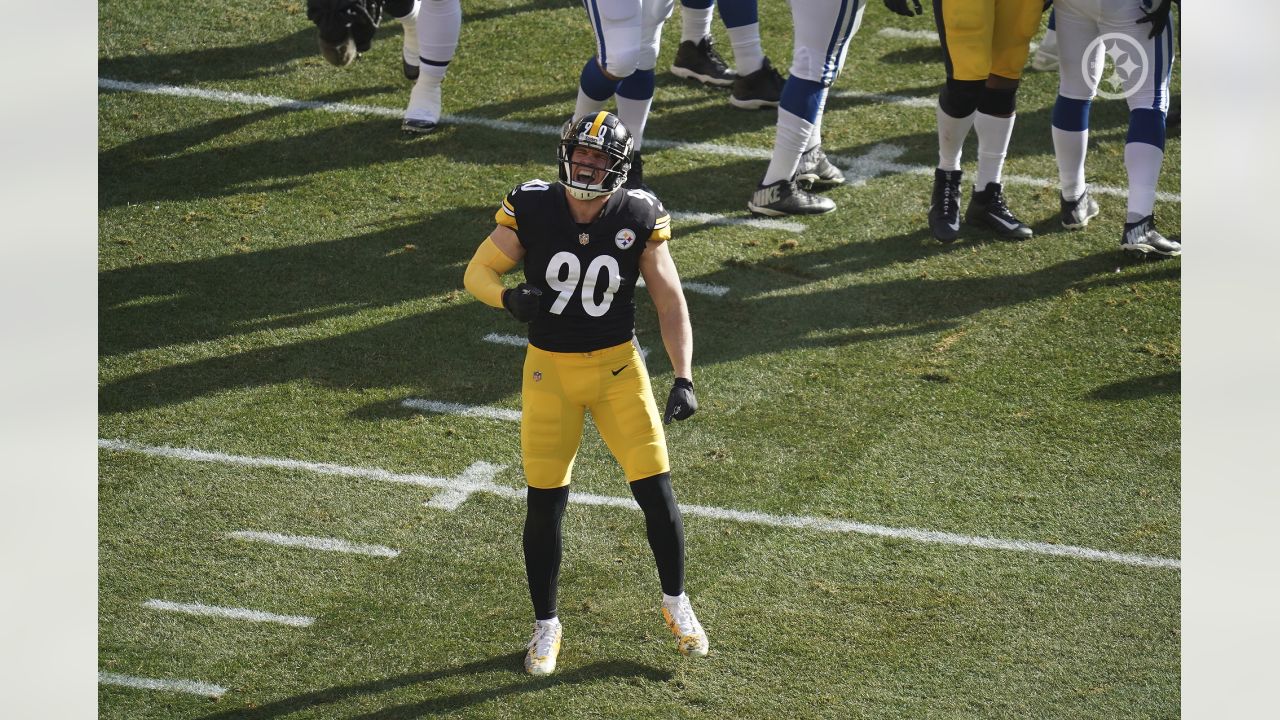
[601, 131]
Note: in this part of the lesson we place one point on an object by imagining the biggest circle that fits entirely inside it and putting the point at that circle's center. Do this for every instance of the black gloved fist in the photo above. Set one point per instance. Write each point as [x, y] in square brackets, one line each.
[681, 403]
[900, 7]
[522, 301]
[1158, 17]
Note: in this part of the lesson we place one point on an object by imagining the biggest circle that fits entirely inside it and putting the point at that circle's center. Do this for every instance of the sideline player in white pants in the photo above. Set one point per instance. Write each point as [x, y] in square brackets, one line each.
[438, 24]
[823, 29]
[627, 35]
[1138, 35]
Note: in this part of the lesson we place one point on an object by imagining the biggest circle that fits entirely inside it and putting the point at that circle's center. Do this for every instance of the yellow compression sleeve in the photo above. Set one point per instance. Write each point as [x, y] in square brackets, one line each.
[482, 276]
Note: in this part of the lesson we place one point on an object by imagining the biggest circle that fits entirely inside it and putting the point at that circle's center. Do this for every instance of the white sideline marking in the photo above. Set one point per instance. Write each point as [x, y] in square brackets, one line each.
[503, 339]
[695, 287]
[186, 686]
[436, 406]
[762, 223]
[901, 34]
[315, 543]
[879, 160]
[907, 100]
[229, 612]
[518, 341]
[478, 478]
[708, 148]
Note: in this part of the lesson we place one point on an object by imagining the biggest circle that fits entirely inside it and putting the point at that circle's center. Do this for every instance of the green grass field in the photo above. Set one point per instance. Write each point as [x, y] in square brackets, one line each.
[275, 281]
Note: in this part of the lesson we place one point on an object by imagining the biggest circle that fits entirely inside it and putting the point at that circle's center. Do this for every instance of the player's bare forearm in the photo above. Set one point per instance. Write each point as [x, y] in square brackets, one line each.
[677, 338]
[663, 281]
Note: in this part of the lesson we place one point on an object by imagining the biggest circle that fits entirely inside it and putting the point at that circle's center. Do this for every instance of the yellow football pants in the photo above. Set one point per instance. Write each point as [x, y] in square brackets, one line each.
[558, 389]
[987, 37]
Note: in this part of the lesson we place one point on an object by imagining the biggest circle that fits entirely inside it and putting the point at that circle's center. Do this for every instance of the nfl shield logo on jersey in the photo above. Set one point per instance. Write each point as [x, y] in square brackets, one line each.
[584, 238]
[624, 238]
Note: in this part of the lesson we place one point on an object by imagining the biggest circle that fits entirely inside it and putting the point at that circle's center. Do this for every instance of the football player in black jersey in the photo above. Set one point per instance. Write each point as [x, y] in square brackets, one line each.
[585, 241]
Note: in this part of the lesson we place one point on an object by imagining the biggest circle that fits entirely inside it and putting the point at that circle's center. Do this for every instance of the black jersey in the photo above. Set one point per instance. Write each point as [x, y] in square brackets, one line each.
[587, 273]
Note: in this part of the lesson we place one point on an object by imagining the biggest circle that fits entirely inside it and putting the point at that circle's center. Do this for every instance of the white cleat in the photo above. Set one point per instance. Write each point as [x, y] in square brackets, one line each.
[678, 613]
[544, 647]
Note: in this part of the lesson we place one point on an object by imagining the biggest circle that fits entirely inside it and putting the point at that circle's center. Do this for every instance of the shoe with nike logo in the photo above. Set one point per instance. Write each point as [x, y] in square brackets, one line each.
[987, 209]
[944, 208]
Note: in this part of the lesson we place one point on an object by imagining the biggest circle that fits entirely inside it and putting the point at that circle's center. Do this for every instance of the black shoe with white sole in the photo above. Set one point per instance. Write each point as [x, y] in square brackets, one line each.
[1143, 238]
[987, 209]
[785, 198]
[700, 61]
[816, 172]
[944, 206]
[760, 89]
[1077, 213]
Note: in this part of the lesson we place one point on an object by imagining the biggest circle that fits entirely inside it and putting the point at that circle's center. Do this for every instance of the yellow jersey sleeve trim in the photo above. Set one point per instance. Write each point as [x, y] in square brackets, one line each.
[506, 215]
[661, 229]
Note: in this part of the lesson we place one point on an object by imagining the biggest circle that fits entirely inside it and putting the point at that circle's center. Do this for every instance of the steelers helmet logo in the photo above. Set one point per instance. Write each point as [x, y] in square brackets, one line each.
[624, 238]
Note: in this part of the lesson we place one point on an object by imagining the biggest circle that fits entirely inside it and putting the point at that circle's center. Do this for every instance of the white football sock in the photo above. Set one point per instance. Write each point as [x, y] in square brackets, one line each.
[409, 24]
[1142, 161]
[1070, 148]
[634, 114]
[439, 24]
[424, 100]
[791, 140]
[695, 23]
[951, 134]
[993, 144]
[587, 104]
[748, 55]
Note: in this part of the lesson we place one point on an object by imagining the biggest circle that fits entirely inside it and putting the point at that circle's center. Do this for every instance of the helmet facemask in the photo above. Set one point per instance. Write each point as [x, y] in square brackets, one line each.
[599, 131]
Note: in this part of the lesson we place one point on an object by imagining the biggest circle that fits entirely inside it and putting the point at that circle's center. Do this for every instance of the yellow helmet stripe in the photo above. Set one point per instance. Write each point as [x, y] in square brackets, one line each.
[595, 126]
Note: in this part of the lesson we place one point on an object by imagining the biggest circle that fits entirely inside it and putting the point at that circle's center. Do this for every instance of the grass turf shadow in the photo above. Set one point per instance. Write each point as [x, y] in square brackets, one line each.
[511, 681]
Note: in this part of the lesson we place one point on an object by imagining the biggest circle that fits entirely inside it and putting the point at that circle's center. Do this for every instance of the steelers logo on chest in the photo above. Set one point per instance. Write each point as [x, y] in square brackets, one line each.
[625, 238]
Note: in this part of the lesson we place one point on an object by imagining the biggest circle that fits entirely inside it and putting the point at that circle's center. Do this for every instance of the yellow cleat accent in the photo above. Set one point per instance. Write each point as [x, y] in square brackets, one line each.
[691, 639]
[544, 647]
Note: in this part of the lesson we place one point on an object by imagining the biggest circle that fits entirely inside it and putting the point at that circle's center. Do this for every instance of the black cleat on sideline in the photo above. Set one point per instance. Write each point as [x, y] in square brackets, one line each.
[785, 198]
[760, 89]
[418, 127]
[1077, 213]
[987, 209]
[944, 206]
[1143, 238]
[816, 172]
[700, 61]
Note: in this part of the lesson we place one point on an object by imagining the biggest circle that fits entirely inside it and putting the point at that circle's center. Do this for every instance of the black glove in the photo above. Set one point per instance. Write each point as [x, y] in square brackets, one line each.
[522, 302]
[1158, 17]
[681, 403]
[900, 7]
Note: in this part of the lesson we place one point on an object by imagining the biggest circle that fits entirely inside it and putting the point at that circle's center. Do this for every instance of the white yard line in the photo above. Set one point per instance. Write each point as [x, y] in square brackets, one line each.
[478, 478]
[230, 613]
[762, 223]
[315, 543]
[506, 339]
[186, 686]
[915, 101]
[900, 34]
[695, 287]
[481, 411]
[513, 126]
